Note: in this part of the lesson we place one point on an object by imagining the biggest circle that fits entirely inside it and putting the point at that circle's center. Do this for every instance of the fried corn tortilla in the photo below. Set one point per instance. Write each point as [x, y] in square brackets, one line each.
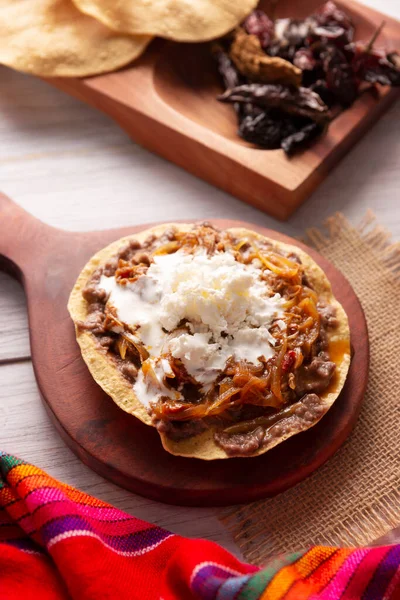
[52, 38]
[179, 20]
[291, 420]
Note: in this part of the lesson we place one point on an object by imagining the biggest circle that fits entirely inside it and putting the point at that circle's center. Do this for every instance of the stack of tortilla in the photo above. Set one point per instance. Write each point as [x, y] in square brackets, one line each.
[78, 38]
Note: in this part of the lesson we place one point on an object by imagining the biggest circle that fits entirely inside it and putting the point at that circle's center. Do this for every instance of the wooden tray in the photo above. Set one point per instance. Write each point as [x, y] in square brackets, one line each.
[47, 261]
[167, 102]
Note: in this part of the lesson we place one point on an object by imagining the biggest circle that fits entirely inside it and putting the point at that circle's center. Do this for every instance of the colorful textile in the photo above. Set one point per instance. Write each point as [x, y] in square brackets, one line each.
[59, 543]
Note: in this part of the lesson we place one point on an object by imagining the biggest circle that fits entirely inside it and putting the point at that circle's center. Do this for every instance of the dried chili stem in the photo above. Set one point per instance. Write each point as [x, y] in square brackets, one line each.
[375, 37]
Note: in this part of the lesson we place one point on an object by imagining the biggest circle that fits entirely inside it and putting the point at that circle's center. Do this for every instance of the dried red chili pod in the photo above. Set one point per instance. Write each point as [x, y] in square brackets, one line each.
[331, 56]
[258, 23]
[382, 71]
[341, 82]
[304, 59]
[332, 25]
[336, 34]
[311, 67]
[302, 101]
[374, 65]
[331, 14]
[320, 87]
[290, 35]
[340, 77]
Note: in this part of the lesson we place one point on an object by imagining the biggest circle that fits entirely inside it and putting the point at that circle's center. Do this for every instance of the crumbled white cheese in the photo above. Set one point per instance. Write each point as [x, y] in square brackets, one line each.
[228, 308]
[252, 343]
[281, 324]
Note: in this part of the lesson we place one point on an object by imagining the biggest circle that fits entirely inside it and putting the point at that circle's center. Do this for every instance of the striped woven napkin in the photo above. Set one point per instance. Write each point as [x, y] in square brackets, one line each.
[59, 543]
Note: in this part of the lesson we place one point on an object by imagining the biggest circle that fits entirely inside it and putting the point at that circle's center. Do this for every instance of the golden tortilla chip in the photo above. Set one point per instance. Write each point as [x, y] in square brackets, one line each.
[51, 38]
[203, 446]
[179, 20]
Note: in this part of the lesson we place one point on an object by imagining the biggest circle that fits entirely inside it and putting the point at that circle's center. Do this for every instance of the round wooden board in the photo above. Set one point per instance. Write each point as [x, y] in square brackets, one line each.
[117, 445]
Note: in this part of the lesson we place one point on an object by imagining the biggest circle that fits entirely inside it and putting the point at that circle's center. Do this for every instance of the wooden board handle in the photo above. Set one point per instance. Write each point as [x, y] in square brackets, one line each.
[20, 233]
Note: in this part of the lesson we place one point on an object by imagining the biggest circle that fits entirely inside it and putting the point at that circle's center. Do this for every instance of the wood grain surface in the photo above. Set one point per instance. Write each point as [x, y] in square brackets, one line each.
[117, 445]
[67, 164]
[167, 103]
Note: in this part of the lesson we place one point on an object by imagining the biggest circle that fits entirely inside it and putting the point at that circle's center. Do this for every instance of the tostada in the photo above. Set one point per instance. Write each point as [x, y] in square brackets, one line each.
[225, 341]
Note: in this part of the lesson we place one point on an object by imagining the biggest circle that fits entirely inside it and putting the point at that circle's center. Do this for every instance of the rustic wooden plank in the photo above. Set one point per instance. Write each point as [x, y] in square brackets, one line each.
[28, 433]
[14, 339]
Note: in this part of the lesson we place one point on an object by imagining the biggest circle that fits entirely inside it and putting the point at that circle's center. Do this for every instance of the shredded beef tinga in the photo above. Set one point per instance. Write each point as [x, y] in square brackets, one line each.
[226, 341]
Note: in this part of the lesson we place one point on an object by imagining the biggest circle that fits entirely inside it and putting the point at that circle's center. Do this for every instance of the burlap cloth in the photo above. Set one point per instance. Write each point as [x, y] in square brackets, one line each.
[355, 497]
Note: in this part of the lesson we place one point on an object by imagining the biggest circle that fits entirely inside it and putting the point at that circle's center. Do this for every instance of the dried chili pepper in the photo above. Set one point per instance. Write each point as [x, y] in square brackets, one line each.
[374, 65]
[302, 138]
[342, 83]
[226, 68]
[331, 56]
[331, 33]
[340, 77]
[331, 24]
[331, 15]
[380, 70]
[229, 74]
[302, 101]
[266, 129]
[261, 131]
[304, 59]
[290, 35]
[320, 87]
[260, 25]
[287, 78]
[252, 62]
[310, 66]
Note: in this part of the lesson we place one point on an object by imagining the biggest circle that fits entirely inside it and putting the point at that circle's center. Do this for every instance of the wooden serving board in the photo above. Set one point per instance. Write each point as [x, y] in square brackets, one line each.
[167, 102]
[47, 261]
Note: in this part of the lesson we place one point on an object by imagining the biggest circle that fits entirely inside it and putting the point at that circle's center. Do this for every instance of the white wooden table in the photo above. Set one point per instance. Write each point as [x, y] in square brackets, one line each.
[73, 168]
